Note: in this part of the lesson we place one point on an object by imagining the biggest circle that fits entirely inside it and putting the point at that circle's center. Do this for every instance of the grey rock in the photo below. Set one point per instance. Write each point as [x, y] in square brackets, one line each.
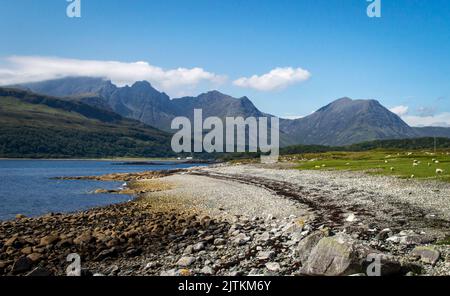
[428, 255]
[265, 255]
[241, 239]
[332, 256]
[265, 236]
[219, 241]
[186, 261]
[273, 266]
[207, 270]
[171, 272]
[188, 250]
[198, 247]
[306, 245]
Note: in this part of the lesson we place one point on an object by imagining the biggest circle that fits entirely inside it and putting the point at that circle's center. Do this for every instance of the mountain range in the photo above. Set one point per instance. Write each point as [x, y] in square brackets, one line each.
[342, 122]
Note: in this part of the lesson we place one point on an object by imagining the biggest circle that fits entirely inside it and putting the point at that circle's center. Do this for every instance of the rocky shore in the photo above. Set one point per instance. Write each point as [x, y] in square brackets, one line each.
[234, 220]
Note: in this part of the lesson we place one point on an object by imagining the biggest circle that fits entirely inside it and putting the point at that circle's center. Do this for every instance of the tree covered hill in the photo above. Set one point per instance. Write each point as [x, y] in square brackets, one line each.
[40, 126]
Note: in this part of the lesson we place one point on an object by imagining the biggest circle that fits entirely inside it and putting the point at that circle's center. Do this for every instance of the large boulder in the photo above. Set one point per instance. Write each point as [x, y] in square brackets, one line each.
[342, 255]
[426, 254]
[306, 245]
[333, 256]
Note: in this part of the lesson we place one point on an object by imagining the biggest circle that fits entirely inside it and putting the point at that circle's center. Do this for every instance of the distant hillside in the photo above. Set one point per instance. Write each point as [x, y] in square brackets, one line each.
[40, 126]
[431, 131]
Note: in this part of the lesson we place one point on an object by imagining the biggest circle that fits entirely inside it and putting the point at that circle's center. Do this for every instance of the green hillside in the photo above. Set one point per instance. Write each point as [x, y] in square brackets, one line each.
[44, 127]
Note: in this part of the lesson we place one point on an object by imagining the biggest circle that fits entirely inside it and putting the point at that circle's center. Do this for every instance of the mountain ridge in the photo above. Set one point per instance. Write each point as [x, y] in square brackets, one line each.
[341, 122]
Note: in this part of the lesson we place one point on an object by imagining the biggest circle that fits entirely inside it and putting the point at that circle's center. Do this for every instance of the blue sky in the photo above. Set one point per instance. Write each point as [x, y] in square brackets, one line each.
[325, 49]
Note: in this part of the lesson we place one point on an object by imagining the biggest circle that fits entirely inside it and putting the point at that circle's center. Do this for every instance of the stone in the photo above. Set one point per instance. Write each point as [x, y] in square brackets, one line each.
[273, 266]
[306, 245]
[351, 218]
[151, 265]
[384, 234]
[20, 216]
[184, 272]
[394, 239]
[265, 255]
[35, 257]
[188, 250]
[332, 256]
[171, 272]
[264, 237]
[83, 239]
[109, 253]
[133, 252]
[427, 255]
[198, 247]
[241, 239]
[416, 239]
[27, 250]
[23, 264]
[49, 240]
[186, 261]
[10, 242]
[219, 242]
[113, 270]
[207, 270]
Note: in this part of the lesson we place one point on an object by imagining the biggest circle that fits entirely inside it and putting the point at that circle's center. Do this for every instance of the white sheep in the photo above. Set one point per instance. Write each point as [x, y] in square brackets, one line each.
[392, 169]
[439, 171]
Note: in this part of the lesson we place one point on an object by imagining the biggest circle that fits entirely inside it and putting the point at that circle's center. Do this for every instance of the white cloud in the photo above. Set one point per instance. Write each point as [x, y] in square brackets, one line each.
[441, 119]
[21, 69]
[278, 78]
[400, 110]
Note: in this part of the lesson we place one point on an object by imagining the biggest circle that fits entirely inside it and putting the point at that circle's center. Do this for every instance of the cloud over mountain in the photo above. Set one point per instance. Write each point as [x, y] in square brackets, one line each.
[399, 110]
[22, 69]
[277, 78]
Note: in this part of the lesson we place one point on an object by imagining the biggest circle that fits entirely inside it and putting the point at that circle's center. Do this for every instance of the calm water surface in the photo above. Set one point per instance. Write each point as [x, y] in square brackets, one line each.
[26, 186]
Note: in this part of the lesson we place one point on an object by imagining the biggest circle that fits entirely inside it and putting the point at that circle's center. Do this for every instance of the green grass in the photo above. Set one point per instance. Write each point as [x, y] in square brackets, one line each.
[383, 162]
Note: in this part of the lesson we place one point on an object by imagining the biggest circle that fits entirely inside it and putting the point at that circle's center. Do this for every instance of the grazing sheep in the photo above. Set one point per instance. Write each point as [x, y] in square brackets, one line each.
[437, 161]
[412, 176]
[439, 171]
[386, 161]
[317, 166]
[415, 164]
[392, 169]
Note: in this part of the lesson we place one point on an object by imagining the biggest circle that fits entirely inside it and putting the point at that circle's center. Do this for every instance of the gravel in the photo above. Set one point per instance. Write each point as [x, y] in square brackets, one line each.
[223, 198]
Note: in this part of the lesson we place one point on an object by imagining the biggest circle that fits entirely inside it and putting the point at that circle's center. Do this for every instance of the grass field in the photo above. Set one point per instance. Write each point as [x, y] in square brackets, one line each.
[403, 164]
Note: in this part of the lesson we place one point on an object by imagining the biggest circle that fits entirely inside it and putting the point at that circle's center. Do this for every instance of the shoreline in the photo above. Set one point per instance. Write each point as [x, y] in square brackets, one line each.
[221, 220]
